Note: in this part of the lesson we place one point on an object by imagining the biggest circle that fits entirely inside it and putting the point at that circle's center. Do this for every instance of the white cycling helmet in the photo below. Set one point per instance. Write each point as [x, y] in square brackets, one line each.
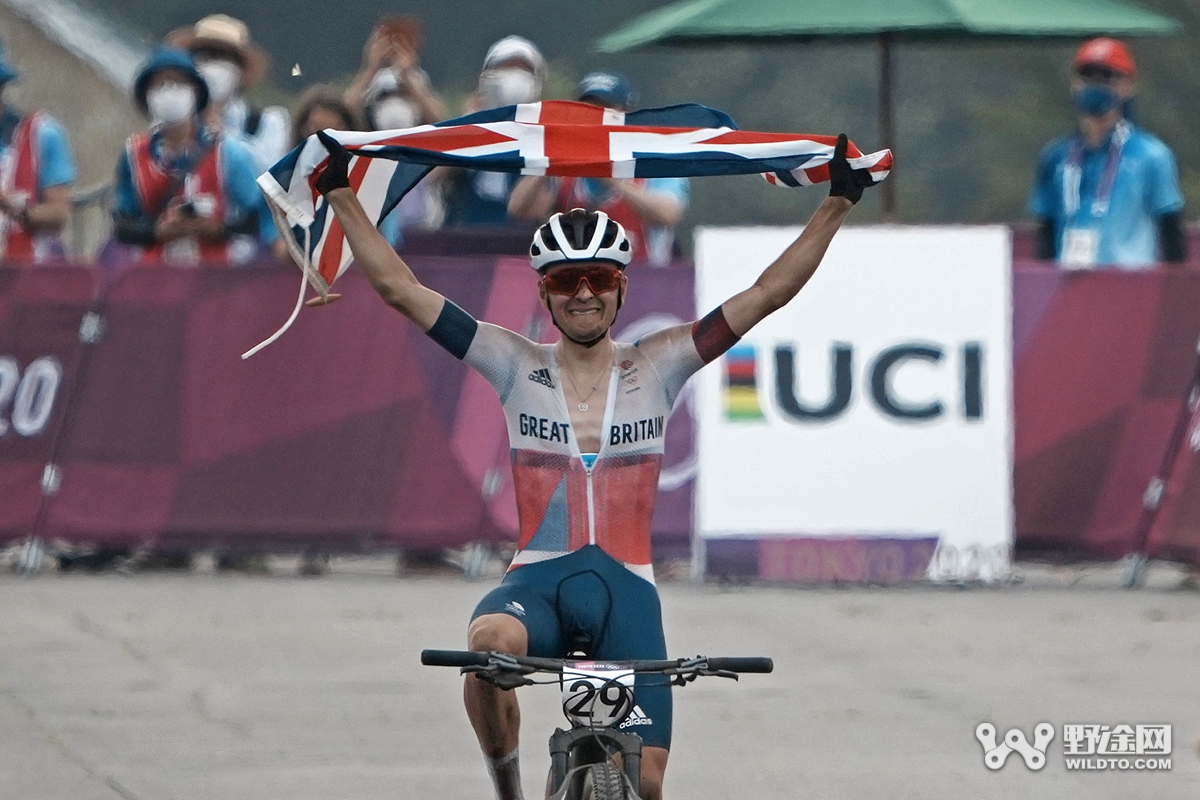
[580, 235]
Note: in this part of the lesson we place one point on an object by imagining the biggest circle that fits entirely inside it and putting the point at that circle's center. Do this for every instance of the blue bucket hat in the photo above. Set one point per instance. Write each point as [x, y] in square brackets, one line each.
[169, 58]
[607, 88]
[7, 73]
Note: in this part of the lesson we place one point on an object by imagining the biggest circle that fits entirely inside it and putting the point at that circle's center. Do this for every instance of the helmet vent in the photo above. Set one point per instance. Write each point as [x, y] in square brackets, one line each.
[580, 235]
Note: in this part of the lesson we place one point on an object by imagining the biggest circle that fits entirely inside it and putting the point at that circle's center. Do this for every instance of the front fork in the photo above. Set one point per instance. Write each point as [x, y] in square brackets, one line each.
[581, 746]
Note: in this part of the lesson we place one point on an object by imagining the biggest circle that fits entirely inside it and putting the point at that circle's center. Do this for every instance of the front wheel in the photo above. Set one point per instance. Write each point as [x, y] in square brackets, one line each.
[604, 782]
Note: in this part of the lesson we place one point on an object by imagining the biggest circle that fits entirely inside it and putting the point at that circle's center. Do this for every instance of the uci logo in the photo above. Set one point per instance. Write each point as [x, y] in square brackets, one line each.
[880, 376]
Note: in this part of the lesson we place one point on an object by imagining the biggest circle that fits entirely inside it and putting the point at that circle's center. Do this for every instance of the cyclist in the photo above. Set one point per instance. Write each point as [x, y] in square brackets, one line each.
[586, 419]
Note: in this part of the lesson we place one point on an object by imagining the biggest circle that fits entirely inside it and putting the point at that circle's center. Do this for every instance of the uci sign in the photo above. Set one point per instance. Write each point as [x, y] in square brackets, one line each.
[794, 396]
[876, 406]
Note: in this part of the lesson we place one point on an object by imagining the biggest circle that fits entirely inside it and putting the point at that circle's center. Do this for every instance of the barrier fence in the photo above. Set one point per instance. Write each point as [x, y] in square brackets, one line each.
[128, 418]
[1102, 364]
[351, 432]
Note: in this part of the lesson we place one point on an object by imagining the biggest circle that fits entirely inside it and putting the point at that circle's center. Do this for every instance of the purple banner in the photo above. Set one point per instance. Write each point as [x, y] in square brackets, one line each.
[352, 431]
[41, 316]
[1102, 362]
[824, 559]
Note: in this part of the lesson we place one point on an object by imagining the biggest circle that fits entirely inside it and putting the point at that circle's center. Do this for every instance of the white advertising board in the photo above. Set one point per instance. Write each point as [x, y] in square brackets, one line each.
[876, 404]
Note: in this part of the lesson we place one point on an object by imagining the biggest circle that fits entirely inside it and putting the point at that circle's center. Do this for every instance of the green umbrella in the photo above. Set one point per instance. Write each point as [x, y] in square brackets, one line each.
[696, 21]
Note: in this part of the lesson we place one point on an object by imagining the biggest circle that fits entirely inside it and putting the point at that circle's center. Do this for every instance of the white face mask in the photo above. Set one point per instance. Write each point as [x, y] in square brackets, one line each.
[394, 112]
[509, 86]
[171, 103]
[223, 78]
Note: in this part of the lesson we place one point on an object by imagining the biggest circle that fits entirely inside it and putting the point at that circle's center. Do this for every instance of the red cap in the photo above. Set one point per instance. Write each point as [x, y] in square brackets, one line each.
[1106, 53]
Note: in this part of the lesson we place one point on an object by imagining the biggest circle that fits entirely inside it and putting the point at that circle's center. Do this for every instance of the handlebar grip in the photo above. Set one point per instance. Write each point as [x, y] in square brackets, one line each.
[453, 658]
[742, 664]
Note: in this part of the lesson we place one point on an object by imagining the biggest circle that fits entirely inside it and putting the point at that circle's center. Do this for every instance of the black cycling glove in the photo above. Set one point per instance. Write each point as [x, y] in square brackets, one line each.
[337, 171]
[843, 180]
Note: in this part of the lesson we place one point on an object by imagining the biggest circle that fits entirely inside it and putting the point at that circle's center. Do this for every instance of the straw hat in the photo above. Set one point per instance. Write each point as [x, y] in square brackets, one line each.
[223, 32]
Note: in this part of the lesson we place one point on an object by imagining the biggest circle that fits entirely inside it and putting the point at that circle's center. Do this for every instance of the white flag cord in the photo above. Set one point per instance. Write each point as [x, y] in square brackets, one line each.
[299, 301]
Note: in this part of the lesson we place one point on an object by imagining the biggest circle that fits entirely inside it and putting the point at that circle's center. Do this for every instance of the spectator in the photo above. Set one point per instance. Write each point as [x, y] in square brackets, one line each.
[649, 208]
[36, 173]
[391, 90]
[320, 107]
[388, 105]
[1107, 195]
[231, 63]
[184, 194]
[513, 72]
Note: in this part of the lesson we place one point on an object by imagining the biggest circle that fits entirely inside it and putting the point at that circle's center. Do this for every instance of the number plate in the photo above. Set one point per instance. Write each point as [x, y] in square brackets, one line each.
[596, 695]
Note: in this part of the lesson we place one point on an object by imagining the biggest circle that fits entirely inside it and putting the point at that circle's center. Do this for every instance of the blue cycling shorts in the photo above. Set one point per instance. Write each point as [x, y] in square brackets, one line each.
[587, 600]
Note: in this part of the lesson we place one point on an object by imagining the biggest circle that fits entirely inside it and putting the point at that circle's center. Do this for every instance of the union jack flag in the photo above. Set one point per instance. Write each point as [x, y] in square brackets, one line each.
[547, 138]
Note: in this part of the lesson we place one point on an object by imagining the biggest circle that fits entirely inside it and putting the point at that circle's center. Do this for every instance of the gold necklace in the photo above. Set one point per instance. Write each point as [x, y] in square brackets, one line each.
[583, 405]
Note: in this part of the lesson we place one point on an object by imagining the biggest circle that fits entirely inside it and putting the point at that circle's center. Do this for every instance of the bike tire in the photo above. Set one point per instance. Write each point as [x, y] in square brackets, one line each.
[604, 782]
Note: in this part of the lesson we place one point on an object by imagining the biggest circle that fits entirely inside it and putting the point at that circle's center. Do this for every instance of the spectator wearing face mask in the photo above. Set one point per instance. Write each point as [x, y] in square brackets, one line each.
[36, 173]
[230, 63]
[391, 90]
[648, 208]
[184, 193]
[513, 72]
[1108, 194]
[389, 104]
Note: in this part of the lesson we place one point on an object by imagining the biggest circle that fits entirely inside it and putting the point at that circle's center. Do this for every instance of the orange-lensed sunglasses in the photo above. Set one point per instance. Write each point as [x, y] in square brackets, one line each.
[567, 280]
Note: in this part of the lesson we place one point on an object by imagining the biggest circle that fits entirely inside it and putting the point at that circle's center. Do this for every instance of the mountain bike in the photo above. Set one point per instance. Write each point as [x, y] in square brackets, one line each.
[597, 696]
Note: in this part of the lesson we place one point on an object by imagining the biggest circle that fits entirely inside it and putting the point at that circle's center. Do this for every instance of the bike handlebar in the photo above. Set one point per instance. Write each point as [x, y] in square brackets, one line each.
[753, 664]
[470, 658]
[453, 658]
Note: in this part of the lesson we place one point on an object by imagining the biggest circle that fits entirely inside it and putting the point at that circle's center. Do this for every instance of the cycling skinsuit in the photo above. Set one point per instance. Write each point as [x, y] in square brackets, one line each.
[582, 574]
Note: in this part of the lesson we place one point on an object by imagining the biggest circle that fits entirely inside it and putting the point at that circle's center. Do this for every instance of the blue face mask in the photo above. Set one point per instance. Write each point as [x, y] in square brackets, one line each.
[1095, 99]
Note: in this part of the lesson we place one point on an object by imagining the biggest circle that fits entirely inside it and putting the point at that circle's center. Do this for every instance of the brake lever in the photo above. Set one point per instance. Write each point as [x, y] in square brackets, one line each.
[502, 671]
[691, 668]
[686, 672]
[684, 678]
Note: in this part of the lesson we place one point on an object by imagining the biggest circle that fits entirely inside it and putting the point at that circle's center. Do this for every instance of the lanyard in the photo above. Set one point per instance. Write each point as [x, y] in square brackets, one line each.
[1073, 172]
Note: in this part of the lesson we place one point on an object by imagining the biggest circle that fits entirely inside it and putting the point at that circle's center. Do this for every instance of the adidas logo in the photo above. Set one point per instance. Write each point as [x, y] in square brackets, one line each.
[636, 717]
[541, 376]
[514, 607]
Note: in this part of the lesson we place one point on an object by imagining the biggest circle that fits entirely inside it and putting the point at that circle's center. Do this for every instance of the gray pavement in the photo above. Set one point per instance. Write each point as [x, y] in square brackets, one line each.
[202, 686]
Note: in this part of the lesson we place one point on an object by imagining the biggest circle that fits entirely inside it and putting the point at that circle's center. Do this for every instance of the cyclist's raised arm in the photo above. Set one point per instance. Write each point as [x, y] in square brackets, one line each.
[386, 271]
[783, 280]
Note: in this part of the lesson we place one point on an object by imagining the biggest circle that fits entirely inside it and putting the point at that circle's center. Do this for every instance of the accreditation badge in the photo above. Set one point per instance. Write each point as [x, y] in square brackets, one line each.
[1080, 249]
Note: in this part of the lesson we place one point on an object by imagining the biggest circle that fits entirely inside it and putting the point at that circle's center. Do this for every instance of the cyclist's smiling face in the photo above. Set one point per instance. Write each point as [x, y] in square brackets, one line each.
[590, 311]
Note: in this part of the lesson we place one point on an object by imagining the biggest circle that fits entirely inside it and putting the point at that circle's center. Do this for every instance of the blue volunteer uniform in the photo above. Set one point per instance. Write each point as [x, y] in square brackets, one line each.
[1106, 202]
[238, 173]
[55, 164]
